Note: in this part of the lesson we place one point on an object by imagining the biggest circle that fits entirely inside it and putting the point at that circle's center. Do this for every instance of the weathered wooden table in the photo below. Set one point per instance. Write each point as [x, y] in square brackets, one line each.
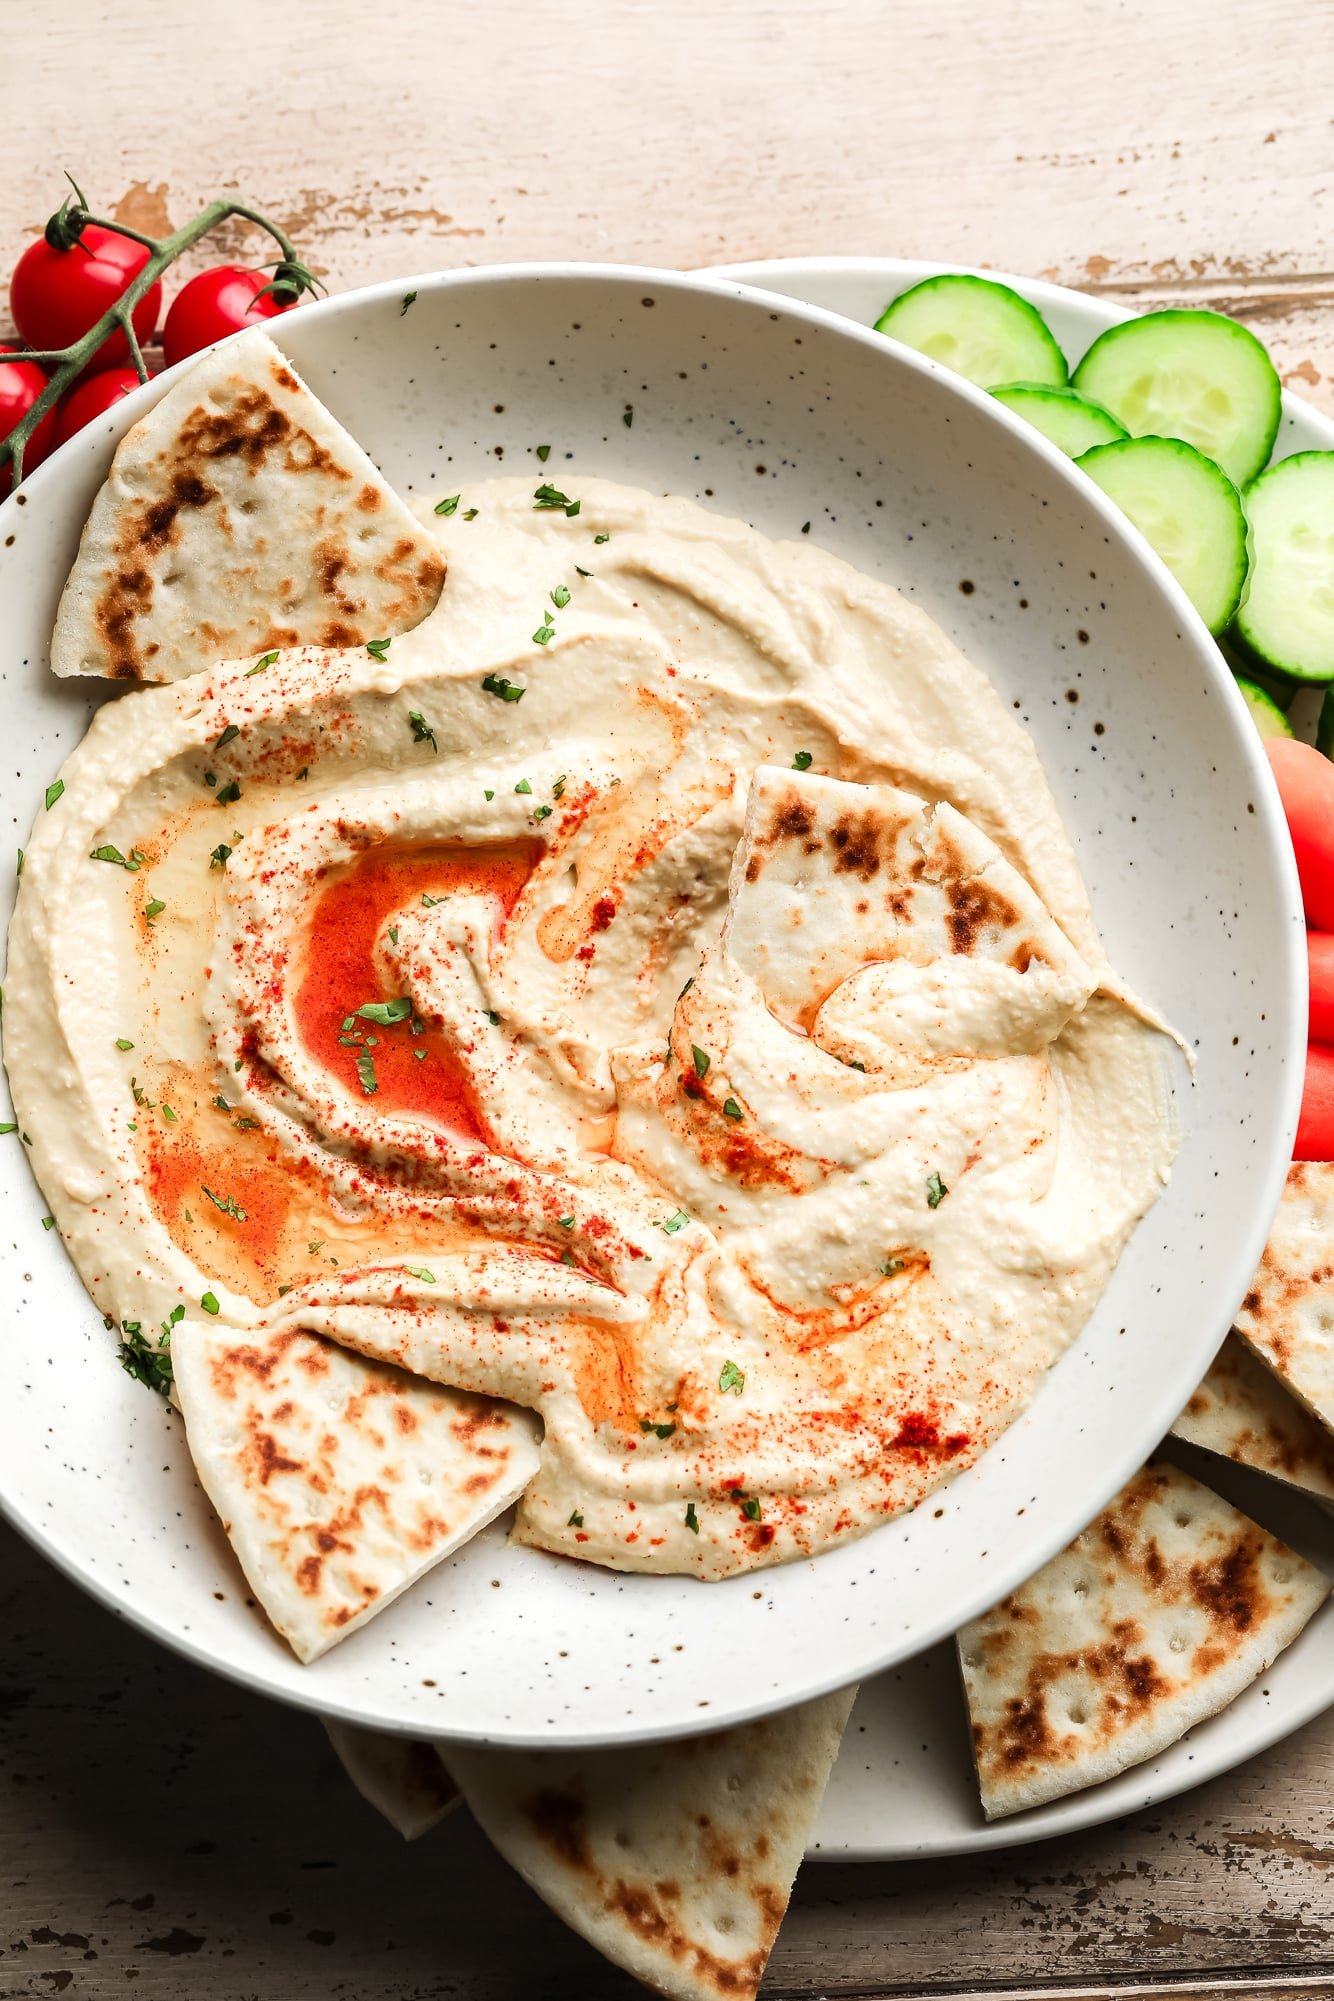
[160, 1832]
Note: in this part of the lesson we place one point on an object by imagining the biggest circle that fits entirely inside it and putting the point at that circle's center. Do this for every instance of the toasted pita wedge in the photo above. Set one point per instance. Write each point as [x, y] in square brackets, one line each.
[1288, 1315]
[401, 1777]
[340, 1481]
[239, 516]
[910, 928]
[675, 1860]
[1157, 1616]
[1242, 1412]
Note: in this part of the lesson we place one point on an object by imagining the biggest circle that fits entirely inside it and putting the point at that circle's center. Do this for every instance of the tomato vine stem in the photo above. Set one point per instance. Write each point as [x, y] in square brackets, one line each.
[290, 279]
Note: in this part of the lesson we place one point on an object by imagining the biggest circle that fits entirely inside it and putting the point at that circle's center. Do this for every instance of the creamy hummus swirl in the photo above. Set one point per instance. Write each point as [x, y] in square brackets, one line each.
[658, 991]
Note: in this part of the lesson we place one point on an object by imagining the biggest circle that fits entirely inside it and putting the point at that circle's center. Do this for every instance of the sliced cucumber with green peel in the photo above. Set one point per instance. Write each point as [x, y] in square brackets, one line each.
[1187, 509]
[1266, 714]
[1069, 420]
[1324, 733]
[978, 328]
[1192, 375]
[1288, 618]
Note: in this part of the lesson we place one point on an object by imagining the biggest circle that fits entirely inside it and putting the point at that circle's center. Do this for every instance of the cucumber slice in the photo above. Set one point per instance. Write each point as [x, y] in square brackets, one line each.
[1288, 618]
[1324, 729]
[1266, 714]
[978, 328]
[1072, 423]
[1187, 509]
[1191, 375]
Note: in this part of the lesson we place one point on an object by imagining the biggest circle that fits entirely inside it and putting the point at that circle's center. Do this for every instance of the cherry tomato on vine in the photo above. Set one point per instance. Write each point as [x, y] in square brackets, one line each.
[56, 295]
[219, 301]
[21, 383]
[89, 398]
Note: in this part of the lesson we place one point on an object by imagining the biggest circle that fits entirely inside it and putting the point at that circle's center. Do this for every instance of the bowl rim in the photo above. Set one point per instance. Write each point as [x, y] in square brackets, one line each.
[1268, 1175]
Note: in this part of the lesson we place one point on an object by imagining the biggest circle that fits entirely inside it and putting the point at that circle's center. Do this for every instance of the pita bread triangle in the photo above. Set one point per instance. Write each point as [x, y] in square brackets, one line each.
[401, 1777]
[339, 1481]
[1287, 1317]
[1242, 1412]
[1166, 1607]
[675, 1860]
[239, 516]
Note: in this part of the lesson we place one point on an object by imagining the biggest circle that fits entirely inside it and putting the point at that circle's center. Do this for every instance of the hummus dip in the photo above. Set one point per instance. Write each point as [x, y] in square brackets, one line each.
[657, 990]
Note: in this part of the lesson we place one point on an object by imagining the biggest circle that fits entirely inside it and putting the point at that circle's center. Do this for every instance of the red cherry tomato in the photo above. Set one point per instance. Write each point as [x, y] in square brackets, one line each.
[89, 398]
[219, 301]
[1305, 780]
[1320, 961]
[21, 383]
[1315, 1126]
[56, 295]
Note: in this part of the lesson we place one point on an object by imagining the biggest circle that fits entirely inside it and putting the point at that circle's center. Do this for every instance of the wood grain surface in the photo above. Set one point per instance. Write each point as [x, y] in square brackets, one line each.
[161, 1832]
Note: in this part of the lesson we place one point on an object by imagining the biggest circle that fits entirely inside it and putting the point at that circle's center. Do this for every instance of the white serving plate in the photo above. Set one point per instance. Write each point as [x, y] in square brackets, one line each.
[782, 414]
[904, 1784]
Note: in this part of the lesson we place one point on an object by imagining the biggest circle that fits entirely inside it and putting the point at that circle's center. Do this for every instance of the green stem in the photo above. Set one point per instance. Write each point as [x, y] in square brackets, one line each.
[72, 360]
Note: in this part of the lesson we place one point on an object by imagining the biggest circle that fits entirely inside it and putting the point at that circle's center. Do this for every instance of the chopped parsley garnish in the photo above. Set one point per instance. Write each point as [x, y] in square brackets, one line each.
[731, 1109]
[701, 1060]
[732, 1380]
[385, 1013]
[546, 632]
[751, 1508]
[558, 788]
[421, 729]
[802, 761]
[220, 856]
[153, 909]
[855, 1063]
[210, 778]
[563, 1222]
[449, 506]
[552, 497]
[936, 1191]
[229, 735]
[488, 792]
[582, 573]
[560, 597]
[628, 415]
[48, 1222]
[10, 1126]
[601, 538]
[53, 792]
[377, 648]
[209, 1302]
[429, 902]
[541, 812]
[265, 660]
[408, 299]
[675, 1223]
[123, 1042]
[493, 1017]
[134, 861]
[543, 453]
[149, 1365]
[420, 1271]
[229, 794]
[227, 1203]
[646, 1424]
[167, 1112]
[692, 1519]
[471, 513]
[222, 1105]
[366, 1073]
[393, 934]
[567, 1257]
[523, 786]
[504, 690]
[576, 1520]
[805, 527]
[892, 1266]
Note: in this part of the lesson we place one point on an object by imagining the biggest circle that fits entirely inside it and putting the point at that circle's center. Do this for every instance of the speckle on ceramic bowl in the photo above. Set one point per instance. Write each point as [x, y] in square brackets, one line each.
[787, 416]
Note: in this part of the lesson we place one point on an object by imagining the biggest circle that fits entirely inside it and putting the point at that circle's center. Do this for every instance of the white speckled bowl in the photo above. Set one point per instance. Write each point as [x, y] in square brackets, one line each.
[783, 414]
